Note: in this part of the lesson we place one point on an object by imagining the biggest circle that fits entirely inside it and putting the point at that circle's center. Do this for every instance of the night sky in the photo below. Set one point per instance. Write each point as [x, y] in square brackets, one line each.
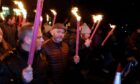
[115, 11]
[122, 12]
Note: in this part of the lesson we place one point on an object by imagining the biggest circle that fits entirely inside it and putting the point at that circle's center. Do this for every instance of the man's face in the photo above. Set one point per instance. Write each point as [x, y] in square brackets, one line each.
[58, 35]
[39, 40]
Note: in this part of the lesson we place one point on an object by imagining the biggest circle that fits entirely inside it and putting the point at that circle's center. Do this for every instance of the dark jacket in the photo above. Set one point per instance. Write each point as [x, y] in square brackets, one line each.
[10, 34]
[18, 61]
[57, 55]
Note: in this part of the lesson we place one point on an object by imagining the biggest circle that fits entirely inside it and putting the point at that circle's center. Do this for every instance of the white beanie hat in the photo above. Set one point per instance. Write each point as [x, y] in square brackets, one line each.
[85, 29]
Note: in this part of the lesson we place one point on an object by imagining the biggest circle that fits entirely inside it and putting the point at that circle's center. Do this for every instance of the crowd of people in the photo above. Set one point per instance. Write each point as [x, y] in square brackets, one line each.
[55, 61]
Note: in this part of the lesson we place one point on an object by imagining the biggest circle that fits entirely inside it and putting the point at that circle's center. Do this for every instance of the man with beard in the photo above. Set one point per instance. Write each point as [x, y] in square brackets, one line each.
[56, 52]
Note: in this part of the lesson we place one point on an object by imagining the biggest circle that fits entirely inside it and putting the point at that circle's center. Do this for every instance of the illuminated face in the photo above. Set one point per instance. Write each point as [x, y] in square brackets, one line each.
[58, 35]
[28, 40]
[1, 35]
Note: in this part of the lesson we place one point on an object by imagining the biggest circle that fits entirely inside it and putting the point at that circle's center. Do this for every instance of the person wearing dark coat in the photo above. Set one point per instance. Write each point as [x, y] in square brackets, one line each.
[10, 30]
[18, 71]
[5, 50]
[56, 52]
[78, 70]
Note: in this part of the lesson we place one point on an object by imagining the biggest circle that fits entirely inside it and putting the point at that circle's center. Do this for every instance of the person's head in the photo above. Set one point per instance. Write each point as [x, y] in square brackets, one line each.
[58, 32]
[10, 19]
[85, 31]
[25, 37]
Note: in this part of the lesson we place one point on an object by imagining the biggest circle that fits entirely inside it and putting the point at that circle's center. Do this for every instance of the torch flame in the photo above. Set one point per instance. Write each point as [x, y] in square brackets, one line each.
[74, 11]
[53, 11]
[97, 18]
[17, 11]
[112, 26]
[21, 7]
[2, 16]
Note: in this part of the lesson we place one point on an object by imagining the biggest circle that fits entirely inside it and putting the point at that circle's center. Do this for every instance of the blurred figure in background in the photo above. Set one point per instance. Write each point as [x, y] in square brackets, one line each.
[4, 46]
[132, 58]
[5, 51]
[10, 30]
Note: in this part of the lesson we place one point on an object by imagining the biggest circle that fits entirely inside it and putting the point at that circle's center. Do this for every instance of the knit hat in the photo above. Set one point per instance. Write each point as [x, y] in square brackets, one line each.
[59, 26]
[85, 29]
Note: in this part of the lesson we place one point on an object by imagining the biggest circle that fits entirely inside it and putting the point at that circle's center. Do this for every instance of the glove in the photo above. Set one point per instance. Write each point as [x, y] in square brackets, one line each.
[27, 74]
[76, 59]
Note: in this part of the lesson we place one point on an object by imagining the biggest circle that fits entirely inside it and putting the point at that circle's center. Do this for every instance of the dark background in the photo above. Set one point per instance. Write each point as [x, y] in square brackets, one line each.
[120, 12]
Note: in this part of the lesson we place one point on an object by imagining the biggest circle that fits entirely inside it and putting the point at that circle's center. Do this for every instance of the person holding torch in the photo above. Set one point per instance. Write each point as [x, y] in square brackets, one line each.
[18, 70]
[56, 52]
[76, 57]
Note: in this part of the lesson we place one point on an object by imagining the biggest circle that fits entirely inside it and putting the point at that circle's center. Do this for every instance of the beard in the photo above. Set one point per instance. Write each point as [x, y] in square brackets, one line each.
[58, 40]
